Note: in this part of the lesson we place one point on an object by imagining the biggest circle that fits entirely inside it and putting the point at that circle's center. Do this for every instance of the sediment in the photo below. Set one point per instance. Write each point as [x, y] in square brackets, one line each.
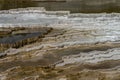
[69, 47]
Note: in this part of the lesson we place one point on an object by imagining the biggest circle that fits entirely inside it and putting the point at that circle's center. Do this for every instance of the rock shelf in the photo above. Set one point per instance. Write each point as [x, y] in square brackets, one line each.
[69, 47]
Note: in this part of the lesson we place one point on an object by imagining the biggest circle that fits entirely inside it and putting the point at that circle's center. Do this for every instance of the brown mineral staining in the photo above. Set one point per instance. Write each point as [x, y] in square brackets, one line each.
[8, 31]
[70, 47]
[56, 62]
[55, 74]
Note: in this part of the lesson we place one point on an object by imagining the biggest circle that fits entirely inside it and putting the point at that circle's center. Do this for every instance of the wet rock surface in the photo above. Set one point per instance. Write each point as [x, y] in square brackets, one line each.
[18, 37]
[74, 46]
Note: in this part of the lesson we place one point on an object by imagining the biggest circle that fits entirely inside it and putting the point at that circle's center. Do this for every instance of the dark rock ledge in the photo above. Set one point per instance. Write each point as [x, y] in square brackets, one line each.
[18, 37]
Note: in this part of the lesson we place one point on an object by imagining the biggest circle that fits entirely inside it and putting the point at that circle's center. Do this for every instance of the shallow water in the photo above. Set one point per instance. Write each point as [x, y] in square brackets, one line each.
[15, 38]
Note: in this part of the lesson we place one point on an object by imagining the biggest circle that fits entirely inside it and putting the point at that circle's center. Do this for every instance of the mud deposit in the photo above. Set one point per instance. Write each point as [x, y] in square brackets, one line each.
[44, 45]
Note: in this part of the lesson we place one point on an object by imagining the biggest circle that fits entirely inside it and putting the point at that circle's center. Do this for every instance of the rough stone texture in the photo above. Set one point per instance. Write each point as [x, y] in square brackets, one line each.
[79, 47]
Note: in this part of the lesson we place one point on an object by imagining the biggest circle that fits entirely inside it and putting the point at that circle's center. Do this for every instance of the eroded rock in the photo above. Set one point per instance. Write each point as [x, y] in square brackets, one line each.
[70, 47]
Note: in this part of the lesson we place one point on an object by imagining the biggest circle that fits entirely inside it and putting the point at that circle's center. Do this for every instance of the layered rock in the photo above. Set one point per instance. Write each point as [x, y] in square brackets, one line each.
[76, 47]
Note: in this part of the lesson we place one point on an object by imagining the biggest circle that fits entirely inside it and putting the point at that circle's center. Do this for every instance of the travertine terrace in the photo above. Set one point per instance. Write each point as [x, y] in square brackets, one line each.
[70, 46]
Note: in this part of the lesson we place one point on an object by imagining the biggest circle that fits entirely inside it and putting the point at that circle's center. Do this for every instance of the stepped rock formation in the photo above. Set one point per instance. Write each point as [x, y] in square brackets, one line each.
[18, 37]
[77, 47]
